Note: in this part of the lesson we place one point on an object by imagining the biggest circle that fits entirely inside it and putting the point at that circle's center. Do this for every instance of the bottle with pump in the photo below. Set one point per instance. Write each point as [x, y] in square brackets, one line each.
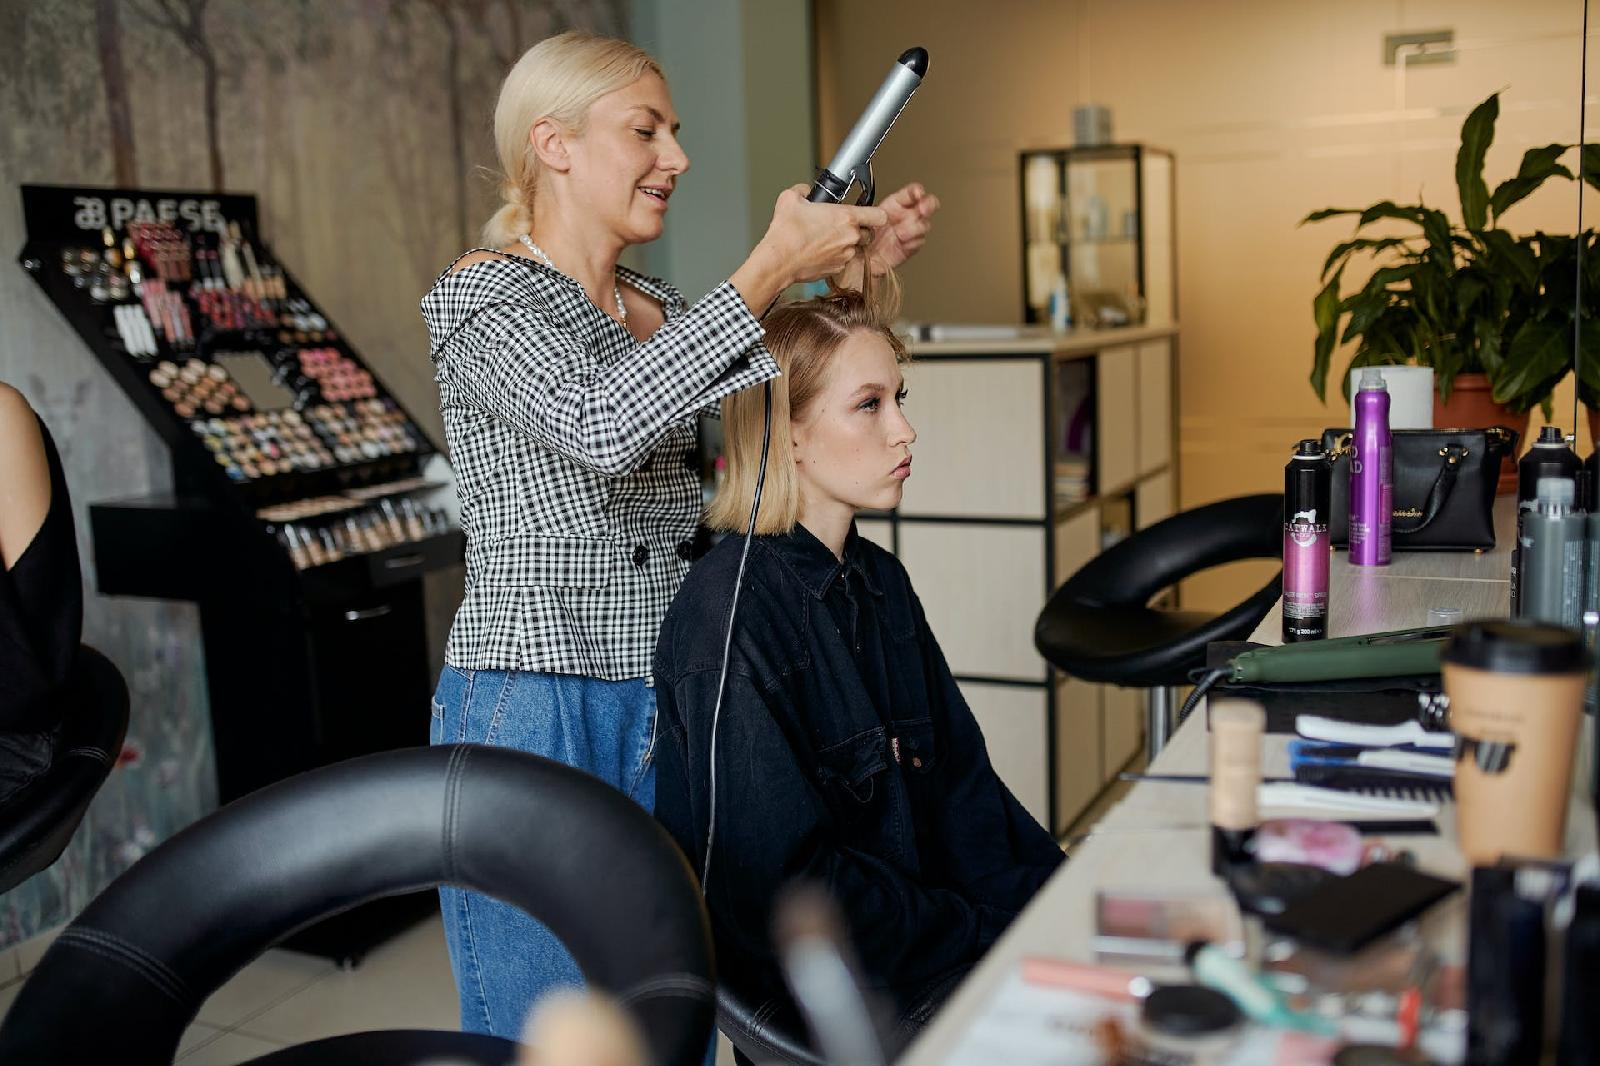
[1552, 541]
[1307, 491]
[1549, 457]
[1371, 473]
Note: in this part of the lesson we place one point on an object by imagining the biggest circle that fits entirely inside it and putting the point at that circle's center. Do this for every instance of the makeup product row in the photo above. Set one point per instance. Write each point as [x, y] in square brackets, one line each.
[250, 447]
[196, 388]
[337, 376]
[264, 444]
[164, 249]
[133, 326]
[300, 323]
[232, 284]
[102, 272]
[385, 525]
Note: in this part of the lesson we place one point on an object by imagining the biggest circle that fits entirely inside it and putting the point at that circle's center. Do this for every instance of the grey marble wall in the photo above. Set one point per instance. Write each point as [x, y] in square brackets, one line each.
[364, 128]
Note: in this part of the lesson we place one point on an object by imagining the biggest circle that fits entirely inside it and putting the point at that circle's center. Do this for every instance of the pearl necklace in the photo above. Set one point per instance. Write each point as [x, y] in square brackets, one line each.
[616, 290]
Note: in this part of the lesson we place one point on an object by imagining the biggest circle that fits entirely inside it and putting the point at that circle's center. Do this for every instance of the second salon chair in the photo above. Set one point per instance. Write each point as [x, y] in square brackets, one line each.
[127, 977]
[39, 819]
[1099, 626]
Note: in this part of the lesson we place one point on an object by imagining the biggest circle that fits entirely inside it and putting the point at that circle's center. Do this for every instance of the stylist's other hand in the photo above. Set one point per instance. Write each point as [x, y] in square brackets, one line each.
[819, 240]
[910, 211]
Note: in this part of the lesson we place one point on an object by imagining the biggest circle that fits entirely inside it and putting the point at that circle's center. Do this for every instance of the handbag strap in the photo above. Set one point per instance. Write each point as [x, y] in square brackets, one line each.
[1439, 494]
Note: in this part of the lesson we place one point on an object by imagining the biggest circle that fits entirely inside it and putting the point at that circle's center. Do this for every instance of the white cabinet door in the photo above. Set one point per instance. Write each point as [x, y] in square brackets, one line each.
[982, 587]
[1155, 405]
[980, 438]
[1116, 419]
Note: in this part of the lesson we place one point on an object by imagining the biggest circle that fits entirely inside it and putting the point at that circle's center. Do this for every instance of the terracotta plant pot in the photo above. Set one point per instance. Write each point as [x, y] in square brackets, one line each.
[1472, 406]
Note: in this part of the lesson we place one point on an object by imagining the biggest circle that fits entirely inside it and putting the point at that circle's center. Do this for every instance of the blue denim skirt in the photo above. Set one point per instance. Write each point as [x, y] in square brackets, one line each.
[503, 960]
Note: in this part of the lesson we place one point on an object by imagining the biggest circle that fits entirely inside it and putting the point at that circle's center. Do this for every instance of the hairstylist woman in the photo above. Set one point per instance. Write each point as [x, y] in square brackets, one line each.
[569, 388]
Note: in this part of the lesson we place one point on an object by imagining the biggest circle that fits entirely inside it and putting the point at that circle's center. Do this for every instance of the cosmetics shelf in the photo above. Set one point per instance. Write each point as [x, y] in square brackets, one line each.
[305, 508]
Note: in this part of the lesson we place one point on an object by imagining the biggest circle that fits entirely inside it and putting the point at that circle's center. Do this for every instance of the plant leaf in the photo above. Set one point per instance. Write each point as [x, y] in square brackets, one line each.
[1469, 286]
[1364, 311]
[1508, 254]
[1538, 164]
[1589, 164]
[1538, 352]
[1371, 244]
[1589, 366]
[1329, 212]
[1389, 209]
[1325, 309]
[1436, 226]
[1477, 133]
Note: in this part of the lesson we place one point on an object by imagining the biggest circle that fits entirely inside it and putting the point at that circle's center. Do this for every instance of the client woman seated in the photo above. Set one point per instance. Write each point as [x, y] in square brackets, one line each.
[844, 754]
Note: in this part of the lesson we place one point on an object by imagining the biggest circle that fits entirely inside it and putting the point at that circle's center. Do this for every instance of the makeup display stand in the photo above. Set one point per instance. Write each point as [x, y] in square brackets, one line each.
[300, 518]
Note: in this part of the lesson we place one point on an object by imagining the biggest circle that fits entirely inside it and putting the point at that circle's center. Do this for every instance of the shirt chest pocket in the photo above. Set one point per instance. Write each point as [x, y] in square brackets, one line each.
[852, 772]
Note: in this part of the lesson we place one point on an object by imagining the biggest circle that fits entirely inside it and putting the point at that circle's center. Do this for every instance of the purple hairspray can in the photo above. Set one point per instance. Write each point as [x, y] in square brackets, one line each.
[1307, 490]
[1371, 473]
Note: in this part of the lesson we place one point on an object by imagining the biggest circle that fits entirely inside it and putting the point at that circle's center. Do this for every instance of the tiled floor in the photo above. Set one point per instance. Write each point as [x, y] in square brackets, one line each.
[288, 998]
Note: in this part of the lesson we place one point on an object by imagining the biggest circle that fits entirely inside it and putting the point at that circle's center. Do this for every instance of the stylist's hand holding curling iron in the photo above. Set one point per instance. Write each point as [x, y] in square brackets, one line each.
[804, 242]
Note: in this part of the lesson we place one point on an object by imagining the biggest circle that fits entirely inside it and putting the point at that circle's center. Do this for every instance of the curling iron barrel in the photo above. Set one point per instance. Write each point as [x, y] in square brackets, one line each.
[853, 161]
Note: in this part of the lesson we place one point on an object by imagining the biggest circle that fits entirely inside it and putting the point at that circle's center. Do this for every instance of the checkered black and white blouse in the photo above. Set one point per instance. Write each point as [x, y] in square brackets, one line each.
[572, 444]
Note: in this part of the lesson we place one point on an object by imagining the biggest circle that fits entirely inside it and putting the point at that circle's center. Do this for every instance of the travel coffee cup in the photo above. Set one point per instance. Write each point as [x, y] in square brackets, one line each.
[1516, 692]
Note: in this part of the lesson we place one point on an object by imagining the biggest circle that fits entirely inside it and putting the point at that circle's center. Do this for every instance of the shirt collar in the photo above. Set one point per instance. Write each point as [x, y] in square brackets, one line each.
[814, 565]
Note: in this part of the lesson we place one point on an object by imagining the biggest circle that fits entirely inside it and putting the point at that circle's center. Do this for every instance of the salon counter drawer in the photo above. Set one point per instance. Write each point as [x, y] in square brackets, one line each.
[355, 574]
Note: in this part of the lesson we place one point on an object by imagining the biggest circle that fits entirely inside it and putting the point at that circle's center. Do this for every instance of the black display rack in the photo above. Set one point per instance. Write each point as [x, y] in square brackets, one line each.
[299, 518]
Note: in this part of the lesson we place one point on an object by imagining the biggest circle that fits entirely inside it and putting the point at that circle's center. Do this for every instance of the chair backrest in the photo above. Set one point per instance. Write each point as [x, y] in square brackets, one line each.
[124, 980]
[38, 821]
[1137, 567]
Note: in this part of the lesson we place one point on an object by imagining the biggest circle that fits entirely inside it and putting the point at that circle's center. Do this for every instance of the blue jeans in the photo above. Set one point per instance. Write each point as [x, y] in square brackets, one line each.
[503, 960]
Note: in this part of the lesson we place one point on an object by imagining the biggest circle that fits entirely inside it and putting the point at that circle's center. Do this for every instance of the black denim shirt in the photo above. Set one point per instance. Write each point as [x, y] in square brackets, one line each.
[845, 756]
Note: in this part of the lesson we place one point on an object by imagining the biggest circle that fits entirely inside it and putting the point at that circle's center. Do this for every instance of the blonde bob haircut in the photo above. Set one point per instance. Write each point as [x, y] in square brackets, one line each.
[559, 78]
[803, 338]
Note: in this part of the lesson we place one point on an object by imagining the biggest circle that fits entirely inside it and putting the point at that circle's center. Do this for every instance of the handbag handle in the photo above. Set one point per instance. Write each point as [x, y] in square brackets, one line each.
[1439, 494]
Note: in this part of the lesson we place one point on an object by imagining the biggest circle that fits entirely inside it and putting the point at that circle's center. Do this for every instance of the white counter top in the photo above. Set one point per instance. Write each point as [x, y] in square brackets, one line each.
[1157, 835]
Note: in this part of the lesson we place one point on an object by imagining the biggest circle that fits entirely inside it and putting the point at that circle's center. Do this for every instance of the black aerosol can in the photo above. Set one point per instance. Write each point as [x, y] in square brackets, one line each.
[1307, 492]
[1549, 457]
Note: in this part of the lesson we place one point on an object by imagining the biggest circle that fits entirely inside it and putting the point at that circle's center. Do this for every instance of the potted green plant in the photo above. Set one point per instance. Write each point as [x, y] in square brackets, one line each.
[1492, 313]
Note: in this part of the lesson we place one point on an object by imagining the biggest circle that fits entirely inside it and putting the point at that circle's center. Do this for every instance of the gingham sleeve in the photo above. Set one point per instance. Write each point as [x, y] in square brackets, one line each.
[609, 418]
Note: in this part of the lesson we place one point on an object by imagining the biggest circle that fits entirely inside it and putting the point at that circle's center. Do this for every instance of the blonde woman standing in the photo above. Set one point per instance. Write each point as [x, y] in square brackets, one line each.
[569, 387]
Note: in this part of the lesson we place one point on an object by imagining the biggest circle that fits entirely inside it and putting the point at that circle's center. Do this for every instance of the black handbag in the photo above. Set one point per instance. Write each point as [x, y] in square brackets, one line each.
[1444, 486]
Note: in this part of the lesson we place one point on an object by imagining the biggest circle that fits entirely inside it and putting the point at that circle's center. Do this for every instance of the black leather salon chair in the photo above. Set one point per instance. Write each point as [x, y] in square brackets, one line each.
[1099, 626]
[764, 1035]
[38, 821]
[123, 981]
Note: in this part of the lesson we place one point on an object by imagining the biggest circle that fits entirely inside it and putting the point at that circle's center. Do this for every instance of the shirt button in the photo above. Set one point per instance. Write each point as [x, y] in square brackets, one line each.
[686, 550]
[641, 555]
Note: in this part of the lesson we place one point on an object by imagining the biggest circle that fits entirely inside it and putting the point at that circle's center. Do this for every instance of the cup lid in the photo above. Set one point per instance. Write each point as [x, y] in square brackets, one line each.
[1515, 646]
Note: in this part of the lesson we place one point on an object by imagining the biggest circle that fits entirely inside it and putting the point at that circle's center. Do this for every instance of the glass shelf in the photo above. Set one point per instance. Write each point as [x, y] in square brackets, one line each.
[1101, 221]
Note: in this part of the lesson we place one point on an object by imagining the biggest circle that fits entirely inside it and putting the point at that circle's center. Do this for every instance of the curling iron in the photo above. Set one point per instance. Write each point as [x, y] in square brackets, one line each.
[853, 161]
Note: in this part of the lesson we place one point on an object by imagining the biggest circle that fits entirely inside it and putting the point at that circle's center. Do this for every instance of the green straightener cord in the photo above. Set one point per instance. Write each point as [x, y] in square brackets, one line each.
[1402, 653]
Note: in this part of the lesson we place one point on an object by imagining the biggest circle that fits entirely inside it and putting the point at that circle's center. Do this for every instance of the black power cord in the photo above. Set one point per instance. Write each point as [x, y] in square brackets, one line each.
[733, 614]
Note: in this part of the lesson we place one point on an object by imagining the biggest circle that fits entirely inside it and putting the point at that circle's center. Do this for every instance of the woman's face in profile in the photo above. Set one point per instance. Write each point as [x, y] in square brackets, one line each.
[852, 445]
[628, 159]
